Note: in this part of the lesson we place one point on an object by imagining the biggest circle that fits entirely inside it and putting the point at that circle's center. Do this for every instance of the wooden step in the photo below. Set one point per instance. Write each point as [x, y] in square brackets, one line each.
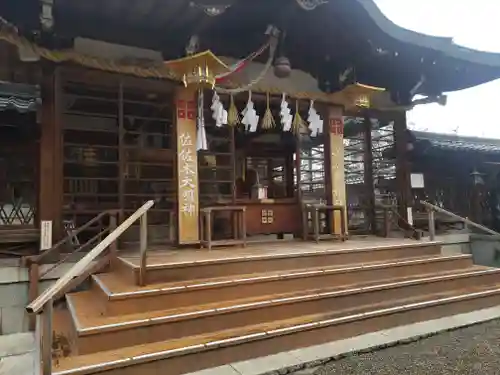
[161, 270]
[97, 333]
[193, 353]
[124, 298]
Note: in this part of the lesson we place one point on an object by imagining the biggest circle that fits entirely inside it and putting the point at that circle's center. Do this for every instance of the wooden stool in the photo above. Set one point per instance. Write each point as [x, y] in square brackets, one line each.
[315, 210]
[240, 231]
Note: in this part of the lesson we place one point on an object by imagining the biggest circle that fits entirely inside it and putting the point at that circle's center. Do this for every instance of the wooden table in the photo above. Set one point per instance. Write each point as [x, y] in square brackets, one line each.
[277, 216]
[314, 210]
[239, 232]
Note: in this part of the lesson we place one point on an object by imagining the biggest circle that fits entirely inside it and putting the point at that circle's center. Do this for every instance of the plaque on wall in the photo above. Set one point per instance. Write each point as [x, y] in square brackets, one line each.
[417, 180]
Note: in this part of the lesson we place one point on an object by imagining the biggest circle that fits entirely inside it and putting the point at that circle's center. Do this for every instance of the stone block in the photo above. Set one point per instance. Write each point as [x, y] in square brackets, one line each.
[266, 364]
[315, 353]
[307, 371]
[222, 370]
[362, 342]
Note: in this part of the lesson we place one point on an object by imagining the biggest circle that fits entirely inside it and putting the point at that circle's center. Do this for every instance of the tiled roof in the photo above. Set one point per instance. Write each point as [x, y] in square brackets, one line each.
[452, 142]
[20, 97]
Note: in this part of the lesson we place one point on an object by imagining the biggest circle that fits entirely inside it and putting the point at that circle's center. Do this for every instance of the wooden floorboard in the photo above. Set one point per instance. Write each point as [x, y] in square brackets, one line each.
[115, 283]
[160, 255]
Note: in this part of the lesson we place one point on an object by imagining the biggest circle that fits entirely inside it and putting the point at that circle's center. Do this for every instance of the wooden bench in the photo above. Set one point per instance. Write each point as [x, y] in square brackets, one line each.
[239, 226]
[314, 210]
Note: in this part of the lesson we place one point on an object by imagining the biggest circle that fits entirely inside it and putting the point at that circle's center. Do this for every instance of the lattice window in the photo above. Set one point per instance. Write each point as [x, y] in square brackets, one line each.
[118, 153]
[216, 166]
[18, 187]
[312, 172]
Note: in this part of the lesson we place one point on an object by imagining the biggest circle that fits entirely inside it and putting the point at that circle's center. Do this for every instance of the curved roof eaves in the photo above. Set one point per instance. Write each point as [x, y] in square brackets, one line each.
[441, 44]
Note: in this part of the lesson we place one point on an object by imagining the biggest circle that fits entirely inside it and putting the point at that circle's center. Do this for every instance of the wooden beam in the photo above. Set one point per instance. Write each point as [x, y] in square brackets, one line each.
[368, 173]
[122, 153]
[51, 153]
[84, 75]
[403, 192]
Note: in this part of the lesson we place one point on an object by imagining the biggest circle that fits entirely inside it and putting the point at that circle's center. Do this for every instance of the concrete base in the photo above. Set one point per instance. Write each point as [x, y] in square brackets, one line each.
[17, 354]
[485, 250]
[304, 361]
[453, 243]
[14, 295]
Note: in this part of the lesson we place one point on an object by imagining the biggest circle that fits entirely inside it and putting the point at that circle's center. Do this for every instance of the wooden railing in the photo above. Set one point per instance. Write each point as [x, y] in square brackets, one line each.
[372, 222]
[34, 262]
[398, 219]
[42, 306]
[432, 209]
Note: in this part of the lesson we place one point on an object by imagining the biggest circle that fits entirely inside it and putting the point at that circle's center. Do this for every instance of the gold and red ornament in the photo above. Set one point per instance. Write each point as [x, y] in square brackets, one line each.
[200, 76]
[198, 70]
[362, 101]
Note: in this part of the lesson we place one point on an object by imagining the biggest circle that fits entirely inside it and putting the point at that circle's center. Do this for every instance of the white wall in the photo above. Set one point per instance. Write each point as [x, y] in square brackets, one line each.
[14, 295]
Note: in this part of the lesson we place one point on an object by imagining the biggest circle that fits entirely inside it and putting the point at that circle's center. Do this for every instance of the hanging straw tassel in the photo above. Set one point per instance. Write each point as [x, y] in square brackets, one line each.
[233, 117]
[298, 123]
[268, 119]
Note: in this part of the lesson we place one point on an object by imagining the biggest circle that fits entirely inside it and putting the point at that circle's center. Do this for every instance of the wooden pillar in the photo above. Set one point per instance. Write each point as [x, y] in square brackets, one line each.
[289, 167]
[50, 200]
[368, 174]
[187, 167]
[403, 192]
[122, 154]
[335, 162]
[298, 167]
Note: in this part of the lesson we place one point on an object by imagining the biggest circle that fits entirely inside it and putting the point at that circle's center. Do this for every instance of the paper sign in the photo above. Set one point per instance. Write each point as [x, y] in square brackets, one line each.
[417, 180]
[45, 234]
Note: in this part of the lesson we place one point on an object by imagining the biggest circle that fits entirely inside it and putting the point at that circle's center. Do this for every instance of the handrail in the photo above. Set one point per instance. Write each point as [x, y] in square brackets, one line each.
[431, 208]
[394, 210]
[386, 208]
[34, 262]
[38, 304]
[40, 257]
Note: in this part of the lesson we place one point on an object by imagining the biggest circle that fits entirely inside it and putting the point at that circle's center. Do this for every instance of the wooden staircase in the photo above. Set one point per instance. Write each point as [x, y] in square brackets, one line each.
[219, 307]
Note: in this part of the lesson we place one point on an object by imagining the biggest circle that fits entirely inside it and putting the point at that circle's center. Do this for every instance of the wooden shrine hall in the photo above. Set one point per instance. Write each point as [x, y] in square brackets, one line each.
[121, 104]
[178, 127]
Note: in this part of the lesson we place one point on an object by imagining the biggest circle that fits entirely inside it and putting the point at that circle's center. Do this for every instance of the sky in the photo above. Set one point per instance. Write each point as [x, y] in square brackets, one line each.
[471, 23]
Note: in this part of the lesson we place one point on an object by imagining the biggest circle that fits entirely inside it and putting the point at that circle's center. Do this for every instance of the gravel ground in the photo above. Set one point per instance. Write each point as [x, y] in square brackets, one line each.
[473, 350]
